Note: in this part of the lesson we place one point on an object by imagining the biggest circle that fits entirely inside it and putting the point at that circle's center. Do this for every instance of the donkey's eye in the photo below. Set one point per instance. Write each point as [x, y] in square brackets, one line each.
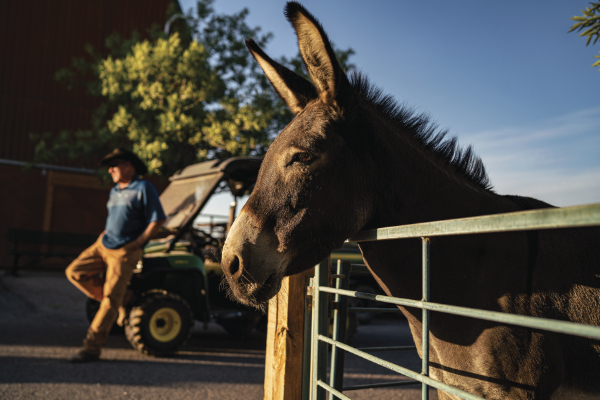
[305, 158]
[302, 158]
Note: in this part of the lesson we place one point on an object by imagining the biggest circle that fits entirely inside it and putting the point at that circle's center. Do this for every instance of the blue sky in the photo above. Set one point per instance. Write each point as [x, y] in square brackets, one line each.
[502, 76]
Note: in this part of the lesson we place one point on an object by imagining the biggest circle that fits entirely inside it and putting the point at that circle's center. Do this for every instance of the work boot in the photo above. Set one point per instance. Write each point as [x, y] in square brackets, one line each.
[83, 356]
[92, 346]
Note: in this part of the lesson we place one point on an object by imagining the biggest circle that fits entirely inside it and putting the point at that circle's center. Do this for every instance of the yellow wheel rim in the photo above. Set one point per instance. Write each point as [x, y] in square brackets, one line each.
[165, 324]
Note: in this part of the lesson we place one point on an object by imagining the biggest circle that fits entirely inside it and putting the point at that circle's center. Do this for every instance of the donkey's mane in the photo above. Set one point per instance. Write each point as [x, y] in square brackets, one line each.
[462, 161]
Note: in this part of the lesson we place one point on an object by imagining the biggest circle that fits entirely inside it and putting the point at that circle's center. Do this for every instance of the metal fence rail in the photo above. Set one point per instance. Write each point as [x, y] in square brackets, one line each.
[570, 217]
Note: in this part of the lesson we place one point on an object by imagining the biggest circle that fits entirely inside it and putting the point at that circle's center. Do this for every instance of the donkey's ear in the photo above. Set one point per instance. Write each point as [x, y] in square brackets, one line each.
[291, 87]
[323, 66]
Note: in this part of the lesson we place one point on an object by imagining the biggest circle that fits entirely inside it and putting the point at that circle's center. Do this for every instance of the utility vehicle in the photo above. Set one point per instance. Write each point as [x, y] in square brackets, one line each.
[177, 281]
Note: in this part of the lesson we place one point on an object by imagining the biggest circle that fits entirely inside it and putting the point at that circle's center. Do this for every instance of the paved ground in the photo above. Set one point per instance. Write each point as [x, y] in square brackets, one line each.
[43, 321]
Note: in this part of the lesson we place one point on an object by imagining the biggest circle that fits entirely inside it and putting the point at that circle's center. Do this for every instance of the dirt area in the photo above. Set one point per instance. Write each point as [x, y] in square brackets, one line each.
[43, 322]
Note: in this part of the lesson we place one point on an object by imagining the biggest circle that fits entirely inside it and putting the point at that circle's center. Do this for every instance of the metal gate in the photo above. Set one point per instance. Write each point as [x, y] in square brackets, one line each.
[315, 383]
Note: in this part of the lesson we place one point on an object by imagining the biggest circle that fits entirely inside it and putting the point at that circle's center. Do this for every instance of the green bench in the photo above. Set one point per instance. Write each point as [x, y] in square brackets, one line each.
[35, 237]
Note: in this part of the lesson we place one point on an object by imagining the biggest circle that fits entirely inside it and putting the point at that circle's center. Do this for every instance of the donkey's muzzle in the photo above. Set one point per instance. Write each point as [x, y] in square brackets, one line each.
[231, 267]
[243, 287]
[251, 262]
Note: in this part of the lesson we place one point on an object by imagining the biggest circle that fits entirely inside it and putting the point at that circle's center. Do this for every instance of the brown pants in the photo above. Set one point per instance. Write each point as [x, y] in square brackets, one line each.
[84, 273]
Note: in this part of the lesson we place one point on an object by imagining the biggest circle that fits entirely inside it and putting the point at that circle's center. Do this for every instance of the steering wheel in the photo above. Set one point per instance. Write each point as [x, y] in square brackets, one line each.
[202, 239]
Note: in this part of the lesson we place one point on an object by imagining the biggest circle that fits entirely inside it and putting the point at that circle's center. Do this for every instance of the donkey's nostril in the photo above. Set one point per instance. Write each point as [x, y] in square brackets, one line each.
[234, 266]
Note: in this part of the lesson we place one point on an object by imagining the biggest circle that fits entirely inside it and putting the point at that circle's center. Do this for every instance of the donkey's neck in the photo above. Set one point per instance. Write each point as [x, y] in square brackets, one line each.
[416, 186]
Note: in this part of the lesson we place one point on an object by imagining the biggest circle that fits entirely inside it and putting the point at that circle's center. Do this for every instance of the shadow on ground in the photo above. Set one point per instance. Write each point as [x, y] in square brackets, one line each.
[43, 322]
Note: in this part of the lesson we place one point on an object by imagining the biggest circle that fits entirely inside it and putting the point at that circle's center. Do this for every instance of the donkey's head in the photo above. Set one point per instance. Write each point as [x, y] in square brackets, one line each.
[311, 189]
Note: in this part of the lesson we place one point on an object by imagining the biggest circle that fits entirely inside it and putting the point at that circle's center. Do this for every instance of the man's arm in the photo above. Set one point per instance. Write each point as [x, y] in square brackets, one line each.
[151, 229]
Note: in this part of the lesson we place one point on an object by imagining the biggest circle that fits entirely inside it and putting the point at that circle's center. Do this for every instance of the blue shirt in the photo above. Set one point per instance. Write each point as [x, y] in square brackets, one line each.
[130, 211]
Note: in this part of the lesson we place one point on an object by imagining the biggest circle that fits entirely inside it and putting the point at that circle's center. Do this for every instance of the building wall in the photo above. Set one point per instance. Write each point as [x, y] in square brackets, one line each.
[37, 38]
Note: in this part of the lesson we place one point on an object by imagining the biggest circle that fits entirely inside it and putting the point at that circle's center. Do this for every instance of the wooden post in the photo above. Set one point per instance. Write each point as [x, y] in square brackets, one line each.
[49, 202]
[285, 336]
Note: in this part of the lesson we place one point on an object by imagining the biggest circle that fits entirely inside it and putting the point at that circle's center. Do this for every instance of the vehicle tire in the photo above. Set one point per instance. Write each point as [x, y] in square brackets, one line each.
[240, 328]
[237, 330]
[91, 309]
[159, 323]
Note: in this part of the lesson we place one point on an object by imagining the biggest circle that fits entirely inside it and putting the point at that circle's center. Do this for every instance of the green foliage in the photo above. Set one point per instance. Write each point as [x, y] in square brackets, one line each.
[176, 101]
[589, 23]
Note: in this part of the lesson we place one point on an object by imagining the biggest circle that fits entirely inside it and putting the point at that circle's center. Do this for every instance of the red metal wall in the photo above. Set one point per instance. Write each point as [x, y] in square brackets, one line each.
[39, 37]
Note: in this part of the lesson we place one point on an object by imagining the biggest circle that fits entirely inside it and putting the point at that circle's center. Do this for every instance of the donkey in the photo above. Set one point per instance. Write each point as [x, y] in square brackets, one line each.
[352, 159]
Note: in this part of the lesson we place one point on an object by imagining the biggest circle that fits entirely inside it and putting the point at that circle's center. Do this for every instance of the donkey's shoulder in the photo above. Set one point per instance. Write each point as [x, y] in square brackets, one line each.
[528, 203]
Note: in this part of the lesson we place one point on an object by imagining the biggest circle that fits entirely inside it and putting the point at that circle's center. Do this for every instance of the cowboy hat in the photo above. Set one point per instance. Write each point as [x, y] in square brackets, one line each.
[124, 154]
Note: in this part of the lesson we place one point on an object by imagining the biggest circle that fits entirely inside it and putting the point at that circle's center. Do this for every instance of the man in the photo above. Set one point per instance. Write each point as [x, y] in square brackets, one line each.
[134, 215]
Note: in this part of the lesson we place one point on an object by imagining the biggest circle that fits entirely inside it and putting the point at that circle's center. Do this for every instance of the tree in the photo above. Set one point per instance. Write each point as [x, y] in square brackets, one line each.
[177, 100]
[589, 23]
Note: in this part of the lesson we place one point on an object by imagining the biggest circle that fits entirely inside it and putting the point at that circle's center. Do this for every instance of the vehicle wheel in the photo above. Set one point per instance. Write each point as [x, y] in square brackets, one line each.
[159, 323]
[240, 328]
[91, 309]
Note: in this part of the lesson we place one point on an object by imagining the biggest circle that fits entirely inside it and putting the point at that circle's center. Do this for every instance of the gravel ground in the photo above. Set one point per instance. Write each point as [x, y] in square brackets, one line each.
[43, 322]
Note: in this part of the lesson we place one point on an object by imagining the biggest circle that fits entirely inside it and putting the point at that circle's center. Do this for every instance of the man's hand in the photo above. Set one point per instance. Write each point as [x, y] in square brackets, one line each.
[151, 229]
[135, 244]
